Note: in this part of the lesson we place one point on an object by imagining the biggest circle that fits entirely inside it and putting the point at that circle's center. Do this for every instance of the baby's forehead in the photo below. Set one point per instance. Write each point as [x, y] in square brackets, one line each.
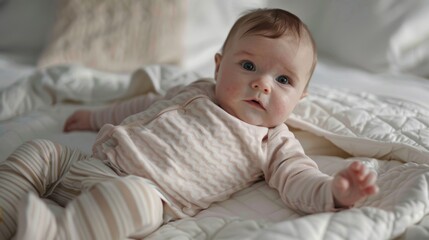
[288, 37]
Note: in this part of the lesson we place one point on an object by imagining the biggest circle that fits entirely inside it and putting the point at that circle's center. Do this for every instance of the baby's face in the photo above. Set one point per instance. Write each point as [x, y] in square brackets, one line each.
[260, 80]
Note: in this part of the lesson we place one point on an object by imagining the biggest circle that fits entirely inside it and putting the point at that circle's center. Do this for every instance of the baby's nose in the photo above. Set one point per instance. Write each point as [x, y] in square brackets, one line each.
[261, 85]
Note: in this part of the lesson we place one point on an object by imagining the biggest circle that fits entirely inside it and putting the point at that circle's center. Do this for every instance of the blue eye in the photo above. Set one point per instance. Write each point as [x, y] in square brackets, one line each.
[249, 66]
[282, 79]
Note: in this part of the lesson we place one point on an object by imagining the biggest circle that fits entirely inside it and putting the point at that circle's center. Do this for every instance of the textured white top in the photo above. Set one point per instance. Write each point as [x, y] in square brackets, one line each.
[198, 154]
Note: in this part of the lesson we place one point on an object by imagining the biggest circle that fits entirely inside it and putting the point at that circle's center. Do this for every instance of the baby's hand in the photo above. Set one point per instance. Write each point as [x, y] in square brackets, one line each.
[78, 121]
[352, 184]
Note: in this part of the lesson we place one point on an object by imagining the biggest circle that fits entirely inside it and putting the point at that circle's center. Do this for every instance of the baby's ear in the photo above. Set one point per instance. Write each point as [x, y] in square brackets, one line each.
[217, 58]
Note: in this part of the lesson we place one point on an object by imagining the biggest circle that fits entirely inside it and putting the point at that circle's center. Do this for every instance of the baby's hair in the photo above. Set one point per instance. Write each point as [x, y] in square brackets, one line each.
[272, 23]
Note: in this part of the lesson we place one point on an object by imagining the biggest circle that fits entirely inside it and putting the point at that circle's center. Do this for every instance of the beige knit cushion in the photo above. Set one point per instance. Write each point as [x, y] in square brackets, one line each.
[116, 35]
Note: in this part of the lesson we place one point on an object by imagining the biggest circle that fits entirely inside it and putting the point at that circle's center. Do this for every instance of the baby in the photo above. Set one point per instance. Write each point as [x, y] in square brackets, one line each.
[158, 158]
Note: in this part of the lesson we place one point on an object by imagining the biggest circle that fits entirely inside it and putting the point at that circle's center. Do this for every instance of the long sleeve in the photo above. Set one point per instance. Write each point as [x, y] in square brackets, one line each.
[297, 178]
[116, 113]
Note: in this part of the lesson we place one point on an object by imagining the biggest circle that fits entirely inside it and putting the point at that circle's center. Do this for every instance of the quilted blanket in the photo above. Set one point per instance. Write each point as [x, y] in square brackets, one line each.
[389, 135]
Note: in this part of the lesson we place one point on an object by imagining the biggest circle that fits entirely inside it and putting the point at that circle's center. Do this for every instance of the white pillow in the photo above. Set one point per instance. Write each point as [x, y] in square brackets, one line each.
[388, 35]
[375, 35]
[117, 36]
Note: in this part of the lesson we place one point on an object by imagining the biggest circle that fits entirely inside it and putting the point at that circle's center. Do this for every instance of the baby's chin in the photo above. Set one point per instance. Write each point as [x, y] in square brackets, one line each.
[260, 123]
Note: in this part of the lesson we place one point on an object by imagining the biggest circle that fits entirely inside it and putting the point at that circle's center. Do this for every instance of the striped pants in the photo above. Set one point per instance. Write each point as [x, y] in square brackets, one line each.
[98, 203]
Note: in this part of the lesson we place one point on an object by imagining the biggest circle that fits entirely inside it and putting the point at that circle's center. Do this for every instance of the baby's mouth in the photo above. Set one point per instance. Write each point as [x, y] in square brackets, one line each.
[255, 103]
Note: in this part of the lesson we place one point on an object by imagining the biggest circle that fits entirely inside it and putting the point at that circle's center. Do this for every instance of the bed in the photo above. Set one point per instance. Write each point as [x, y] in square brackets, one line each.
[368, 98]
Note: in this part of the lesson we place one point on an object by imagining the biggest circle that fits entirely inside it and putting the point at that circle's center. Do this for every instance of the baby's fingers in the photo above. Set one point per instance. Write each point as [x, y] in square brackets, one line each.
[370, 190]
[368, 183]
[369, 179]
[359, 170]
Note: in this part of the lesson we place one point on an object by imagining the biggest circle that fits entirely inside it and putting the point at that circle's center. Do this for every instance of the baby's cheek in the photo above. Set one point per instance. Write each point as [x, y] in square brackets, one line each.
[280, 113]
[232, 89]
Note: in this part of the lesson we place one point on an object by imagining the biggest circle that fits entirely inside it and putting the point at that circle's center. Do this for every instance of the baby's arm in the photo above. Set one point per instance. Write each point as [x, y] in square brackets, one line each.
[86, 120]
[352, 184]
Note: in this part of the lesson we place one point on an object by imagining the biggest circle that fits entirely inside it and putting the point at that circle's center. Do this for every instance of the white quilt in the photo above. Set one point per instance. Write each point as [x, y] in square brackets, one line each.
[390, 135]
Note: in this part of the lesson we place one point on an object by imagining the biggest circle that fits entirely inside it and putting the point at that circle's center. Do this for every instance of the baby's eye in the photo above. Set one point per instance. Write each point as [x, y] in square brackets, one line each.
[282, 79]
[249, 66]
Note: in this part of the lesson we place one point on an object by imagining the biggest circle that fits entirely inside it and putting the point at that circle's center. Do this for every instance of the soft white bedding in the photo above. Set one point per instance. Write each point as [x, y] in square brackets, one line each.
[11, 70]
[389, 134]
[379, 117]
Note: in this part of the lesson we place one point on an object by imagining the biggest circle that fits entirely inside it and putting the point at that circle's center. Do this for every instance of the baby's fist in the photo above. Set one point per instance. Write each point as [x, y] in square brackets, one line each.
[78, 121]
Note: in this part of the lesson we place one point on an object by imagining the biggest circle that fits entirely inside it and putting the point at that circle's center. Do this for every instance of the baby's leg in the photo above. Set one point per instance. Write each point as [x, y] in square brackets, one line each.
[34, 167]
[114, 209]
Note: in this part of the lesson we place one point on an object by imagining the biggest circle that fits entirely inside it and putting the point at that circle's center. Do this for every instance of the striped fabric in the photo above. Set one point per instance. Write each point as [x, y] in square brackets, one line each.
[116, 113]
[34, 167]
[104, 205]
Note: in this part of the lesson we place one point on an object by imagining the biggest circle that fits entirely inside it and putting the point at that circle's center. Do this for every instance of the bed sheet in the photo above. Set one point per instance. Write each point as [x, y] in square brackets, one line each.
[257, 202]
